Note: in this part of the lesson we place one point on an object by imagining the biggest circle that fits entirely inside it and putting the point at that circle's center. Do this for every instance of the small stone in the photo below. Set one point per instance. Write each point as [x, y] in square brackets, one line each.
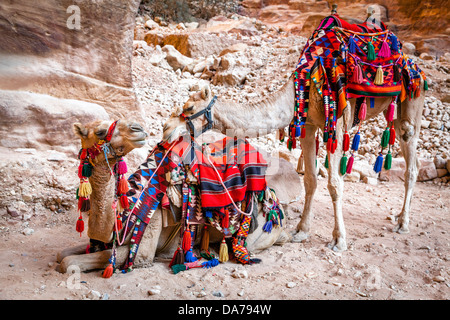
[291, 284]
[201, 294]
[93, 295]
[153, 292]
[28, 231]
[439, 279]
[241, 293]
[240, 274]
[218, 294]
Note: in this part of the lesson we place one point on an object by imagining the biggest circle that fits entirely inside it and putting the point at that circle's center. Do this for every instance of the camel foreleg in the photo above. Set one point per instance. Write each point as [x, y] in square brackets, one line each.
[308, 145]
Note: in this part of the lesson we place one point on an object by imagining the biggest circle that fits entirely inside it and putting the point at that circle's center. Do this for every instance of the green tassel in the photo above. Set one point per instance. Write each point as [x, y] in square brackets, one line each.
[326, 161]
[425, 85]
[343, 166]
[371, 52]
[325, 136]
[87, 170]
[78, 190]
[385, 138]
[388, 161]
[178, 268]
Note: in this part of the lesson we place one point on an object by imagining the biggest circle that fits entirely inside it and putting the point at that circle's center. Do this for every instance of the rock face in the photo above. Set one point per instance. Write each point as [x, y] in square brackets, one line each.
[37, 121]
[78, 51]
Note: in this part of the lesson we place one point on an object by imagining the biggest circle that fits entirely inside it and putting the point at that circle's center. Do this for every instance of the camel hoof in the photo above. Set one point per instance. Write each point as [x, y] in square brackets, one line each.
[299, 236]
[401, 229]
[338, 245]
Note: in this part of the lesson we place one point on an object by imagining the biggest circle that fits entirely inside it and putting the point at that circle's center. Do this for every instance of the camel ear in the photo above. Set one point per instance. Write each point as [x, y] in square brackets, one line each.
[80, 130]
[206, 92]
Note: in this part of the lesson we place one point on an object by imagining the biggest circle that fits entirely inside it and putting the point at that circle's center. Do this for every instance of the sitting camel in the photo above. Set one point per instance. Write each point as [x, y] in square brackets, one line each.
[276, 111]
[126, 137]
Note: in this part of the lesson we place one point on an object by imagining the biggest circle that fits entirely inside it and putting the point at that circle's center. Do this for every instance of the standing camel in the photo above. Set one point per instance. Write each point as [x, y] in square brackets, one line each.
[276, 111]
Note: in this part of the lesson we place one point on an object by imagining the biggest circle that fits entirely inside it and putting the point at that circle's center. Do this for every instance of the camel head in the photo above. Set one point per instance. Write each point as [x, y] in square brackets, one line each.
[126, 136]
[176, 126]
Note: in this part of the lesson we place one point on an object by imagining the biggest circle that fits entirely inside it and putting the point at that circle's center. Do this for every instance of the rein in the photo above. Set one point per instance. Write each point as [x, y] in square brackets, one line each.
[208, 116]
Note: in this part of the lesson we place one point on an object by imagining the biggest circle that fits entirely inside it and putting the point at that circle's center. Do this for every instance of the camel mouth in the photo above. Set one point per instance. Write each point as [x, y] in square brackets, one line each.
[174, 134]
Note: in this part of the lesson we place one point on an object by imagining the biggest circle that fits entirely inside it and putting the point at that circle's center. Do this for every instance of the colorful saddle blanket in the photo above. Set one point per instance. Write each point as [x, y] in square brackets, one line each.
[346, 61]
[241, 169]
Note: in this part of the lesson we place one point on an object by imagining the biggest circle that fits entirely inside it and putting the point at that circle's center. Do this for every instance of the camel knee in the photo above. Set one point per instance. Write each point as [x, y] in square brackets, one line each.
[407, 130]
[334, 188]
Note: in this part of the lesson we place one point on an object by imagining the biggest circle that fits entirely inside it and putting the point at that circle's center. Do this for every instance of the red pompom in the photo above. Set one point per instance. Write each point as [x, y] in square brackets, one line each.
[346, 143]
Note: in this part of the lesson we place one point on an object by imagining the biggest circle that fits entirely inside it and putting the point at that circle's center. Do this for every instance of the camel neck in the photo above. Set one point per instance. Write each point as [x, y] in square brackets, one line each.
[256, 117]
[101, 217]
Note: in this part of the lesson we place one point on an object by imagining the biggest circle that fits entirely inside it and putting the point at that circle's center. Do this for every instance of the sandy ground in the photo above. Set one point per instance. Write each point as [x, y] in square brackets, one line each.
[378, 264]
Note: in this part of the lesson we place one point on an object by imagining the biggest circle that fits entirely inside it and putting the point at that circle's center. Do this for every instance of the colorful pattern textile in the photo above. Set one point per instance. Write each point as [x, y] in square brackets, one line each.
[240, 166]
[344, 61]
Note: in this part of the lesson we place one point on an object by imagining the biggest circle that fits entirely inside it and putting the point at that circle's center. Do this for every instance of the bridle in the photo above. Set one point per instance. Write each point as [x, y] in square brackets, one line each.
[208, 116]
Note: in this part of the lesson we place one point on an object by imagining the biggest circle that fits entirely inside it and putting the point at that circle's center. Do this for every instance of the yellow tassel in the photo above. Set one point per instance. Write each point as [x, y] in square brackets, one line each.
[85, 189]
[223, 252]
[379, 76]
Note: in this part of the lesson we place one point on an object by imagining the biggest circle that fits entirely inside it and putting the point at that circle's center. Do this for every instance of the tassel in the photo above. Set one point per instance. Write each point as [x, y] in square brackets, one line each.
[303, 133]
[186, 244]
[351, 45]
[80, 171]
[83, 154]
[334, 146]
[268, 226]
[119, 223]
[107, 273]
[329, 144]
[385, 51]
[87, 170]
[298, 130]
[85, 189]
[289, 144]
[210, 263]
[371, 52]
[392, 136]
[326, 162]
[343, 165]
[208, 214]
[178, 257]
[80, 225]
[397, 74]
[124, 201]
[178, 268]
[223, 251]
[204, 246]
[325, 137]
[226, 219]
[362, 111]
[122, 188]
[378, 163]
[357, 76]
[85, 205]
[355, 143]
[379, 79]
[388, 161]
[190, 256]
[350, 164]
[425, 85]
[385, 138]
[390, 112]
[122, 167]
[346, 142]
[394, 42]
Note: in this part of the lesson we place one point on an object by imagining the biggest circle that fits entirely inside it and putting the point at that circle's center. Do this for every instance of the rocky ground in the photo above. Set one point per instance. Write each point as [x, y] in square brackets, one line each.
[242, 59]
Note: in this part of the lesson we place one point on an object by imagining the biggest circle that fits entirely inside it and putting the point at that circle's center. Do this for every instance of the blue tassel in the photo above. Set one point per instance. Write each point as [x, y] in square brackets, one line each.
[210, 263]
[394, 42]
[355, 143]
[268, 226]
[378, 163]
[372, 102]
[298, 131]
[190, 257]
[351, 45]
[208, 214]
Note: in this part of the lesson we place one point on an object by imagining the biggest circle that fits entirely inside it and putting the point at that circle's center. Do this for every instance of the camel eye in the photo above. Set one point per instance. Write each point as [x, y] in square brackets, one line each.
[100, 133]
[189, 108]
